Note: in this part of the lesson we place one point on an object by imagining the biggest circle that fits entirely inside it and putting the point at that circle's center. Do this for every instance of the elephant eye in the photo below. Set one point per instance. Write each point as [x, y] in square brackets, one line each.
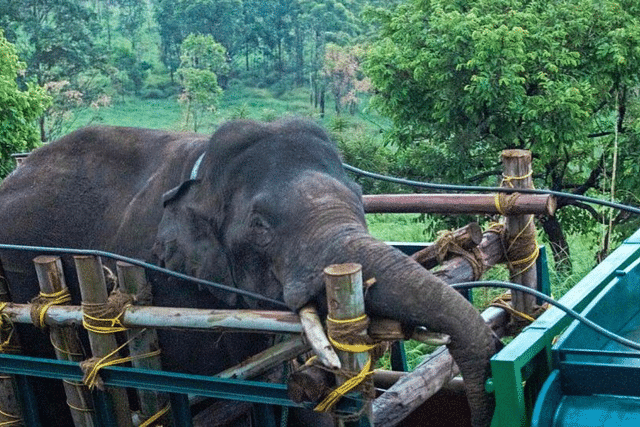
[261, 231]
[258, 222]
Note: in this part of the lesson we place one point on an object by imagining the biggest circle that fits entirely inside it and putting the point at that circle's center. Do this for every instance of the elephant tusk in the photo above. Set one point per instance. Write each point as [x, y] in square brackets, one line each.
[431, 338]
[317, 338]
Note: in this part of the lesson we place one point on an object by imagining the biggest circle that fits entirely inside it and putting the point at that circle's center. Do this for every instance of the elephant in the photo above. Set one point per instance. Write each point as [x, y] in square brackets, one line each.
[262, 207]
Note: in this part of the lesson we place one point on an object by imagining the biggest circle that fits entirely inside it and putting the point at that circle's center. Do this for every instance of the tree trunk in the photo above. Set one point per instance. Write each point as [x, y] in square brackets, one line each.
[559, 245]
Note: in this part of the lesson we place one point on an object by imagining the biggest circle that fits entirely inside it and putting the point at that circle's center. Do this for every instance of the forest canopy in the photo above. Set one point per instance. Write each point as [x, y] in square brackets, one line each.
[452, 83]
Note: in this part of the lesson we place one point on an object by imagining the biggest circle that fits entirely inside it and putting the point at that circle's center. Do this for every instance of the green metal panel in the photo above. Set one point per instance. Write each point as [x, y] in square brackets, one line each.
[521, 366]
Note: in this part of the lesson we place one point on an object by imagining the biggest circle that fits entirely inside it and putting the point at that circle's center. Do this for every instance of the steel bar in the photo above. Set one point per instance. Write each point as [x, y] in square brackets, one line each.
[170, 382]
[537, 204]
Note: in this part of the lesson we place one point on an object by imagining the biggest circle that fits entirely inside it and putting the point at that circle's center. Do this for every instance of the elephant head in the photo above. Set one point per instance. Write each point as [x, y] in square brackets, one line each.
[268, 206]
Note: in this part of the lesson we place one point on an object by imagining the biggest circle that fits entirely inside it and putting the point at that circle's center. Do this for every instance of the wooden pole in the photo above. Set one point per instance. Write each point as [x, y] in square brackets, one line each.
[414, 388]
[450, 204]
[143, 343]
[345, 302]
[10, 411]
[520, 230]
[94, 291]
[464, 238]
[65, 341]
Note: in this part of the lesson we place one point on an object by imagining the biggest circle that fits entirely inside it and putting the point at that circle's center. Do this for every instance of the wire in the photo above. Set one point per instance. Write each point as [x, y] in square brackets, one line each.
[470, 188]
[513, 286]
[116, 257]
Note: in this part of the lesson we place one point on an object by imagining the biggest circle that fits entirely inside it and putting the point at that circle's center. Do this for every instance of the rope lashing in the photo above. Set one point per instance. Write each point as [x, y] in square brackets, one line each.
[503, 302]
[91, 367]
[346, 335]
[106, 318]
[522, 250]
[41, 304]
[7, 342]
[7, 345]
[11, 420]
[446, 243]
[505, 202]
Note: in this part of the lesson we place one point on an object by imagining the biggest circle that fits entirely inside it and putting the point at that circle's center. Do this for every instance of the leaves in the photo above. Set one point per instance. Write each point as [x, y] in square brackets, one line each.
[19, 108]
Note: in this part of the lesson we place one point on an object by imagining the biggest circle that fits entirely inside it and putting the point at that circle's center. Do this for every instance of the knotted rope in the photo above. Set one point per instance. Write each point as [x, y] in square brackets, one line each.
[7, 345]
[41, 303]
[521, 250]
[92, 366]
[7, 341]
[350, 335]
[11, 420]
[106, 318]
[447, 243]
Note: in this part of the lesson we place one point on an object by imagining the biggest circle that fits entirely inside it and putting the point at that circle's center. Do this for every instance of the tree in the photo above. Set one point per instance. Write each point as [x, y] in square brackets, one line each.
[19, 108]
[55, 38]
[468, 79]
[201, 60]
[342, 69]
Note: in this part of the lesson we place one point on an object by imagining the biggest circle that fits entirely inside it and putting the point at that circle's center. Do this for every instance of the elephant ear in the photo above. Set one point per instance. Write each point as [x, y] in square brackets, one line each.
[186, 241]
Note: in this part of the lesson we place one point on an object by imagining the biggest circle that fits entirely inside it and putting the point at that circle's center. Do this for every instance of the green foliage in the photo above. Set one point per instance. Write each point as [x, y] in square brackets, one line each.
[19, 107]
[201, 60]
[466, 80]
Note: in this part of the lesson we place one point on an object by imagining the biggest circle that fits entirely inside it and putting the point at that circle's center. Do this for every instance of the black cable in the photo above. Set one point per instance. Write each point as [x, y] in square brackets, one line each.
[513, 286]
[470, 188]
[116, 257]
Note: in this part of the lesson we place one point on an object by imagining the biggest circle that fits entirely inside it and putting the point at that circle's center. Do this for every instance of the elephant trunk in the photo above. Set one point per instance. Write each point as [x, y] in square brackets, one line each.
[406, 292]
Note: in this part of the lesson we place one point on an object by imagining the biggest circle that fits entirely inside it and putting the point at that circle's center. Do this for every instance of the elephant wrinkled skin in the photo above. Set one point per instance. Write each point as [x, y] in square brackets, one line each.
[262, 207]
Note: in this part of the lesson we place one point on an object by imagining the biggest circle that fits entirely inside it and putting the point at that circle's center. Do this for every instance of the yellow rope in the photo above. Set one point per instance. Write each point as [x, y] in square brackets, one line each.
[41, 304]
[355, 380]
[75, 408]
[6, 329]
[508, 178]
[502, 302]
[345, 388]
[155, 417]
[13, 419]
[92, 366]
[113, 324]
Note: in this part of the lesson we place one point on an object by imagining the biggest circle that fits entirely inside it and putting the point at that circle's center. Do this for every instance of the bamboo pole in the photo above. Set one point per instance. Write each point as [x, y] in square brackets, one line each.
[262, 362]
[94, 291]
[174, 318]
[345, 302]
[517, 173]
[450, 204]
[65, 341]
[10, 410]
[143, 344]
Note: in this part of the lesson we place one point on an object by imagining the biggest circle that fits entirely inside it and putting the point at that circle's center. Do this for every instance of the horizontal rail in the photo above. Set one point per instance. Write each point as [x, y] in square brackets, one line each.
[172, 317]
[171, 382]
[537, 204]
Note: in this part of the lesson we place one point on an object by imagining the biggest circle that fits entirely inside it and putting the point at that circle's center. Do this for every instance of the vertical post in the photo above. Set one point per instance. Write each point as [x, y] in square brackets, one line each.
[94, 291]
[10, 412]
[520, 230]
[65, 341]
[345, 300]
[133, 280]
